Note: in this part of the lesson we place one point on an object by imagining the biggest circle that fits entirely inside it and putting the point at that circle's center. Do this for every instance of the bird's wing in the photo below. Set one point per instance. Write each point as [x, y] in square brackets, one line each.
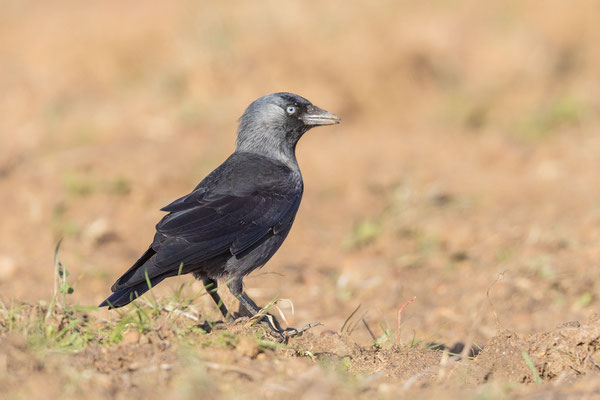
[233, 209]
[226, 221]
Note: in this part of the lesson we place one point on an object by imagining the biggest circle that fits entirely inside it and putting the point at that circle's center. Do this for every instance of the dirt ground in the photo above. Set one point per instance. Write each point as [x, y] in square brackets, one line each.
[465, 174]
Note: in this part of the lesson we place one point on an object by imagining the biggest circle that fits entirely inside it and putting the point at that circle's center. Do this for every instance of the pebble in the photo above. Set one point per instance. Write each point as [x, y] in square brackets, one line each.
[8, 267]
[131, 337]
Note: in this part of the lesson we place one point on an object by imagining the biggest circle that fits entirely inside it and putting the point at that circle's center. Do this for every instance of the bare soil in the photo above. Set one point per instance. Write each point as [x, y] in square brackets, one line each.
[465, 173]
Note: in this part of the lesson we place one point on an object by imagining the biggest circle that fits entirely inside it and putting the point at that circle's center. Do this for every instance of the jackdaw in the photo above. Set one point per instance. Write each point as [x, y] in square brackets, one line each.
[239, 215]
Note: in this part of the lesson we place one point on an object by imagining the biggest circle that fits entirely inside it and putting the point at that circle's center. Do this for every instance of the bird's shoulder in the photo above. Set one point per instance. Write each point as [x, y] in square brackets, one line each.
[233, 208]
[243, 175]
[246, 172]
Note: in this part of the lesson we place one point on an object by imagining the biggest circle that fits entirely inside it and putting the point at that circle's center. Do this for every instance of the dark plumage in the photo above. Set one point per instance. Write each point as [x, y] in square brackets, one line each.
[240, 214]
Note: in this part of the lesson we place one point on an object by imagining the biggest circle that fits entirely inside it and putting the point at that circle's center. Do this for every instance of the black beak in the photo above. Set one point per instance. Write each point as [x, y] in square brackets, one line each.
[315, 116]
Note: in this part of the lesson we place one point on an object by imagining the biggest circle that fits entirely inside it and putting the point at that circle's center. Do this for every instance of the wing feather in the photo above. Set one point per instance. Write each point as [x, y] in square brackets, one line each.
[240, 204]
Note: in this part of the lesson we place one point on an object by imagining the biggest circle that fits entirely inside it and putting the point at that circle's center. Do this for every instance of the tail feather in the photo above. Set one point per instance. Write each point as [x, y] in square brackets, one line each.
[125, 296]
[122, 281]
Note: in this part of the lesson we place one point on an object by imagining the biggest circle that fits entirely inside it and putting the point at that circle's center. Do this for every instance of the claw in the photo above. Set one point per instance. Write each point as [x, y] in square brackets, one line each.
[291, 332]
[208, 327]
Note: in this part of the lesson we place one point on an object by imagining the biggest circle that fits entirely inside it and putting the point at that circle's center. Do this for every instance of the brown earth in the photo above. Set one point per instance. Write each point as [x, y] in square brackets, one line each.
[464, 173]
[563, 365]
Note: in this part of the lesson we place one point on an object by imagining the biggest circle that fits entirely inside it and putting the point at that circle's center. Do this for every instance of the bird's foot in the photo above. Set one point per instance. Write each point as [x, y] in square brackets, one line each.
[237, 320]
[209, 326]
[282, 336]
[267, 319]
[291, 332]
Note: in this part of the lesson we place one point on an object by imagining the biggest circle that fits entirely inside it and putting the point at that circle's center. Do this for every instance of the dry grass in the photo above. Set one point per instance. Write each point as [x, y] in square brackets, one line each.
[469, 150]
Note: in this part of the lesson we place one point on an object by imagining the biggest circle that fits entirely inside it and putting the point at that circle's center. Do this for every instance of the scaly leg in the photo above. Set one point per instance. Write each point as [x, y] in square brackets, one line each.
[211, 287]
[237, 289]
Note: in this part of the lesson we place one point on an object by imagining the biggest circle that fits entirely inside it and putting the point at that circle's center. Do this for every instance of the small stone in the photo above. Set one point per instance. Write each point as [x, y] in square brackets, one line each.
[247, 347]
[98, 232]
[570, 324]
[328, 332]
[135, 366]
[131, 337]
[8, 267]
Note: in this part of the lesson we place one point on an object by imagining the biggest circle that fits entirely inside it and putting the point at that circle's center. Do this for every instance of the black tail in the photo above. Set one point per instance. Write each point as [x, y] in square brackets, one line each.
[125, 296]
[122, 281]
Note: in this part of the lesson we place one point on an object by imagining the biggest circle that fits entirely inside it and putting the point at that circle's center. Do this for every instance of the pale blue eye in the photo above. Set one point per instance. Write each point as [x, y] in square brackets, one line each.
[290, 110]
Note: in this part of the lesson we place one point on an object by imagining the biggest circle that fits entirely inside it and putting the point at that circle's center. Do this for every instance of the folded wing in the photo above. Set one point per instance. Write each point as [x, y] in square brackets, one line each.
[228, 215]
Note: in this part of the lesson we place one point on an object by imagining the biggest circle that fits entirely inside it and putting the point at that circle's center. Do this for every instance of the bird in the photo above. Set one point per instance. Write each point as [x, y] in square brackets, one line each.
[239, 215]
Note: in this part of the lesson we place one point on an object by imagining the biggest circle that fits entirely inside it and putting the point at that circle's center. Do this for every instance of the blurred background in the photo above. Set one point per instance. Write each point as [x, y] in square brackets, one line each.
[465, 171]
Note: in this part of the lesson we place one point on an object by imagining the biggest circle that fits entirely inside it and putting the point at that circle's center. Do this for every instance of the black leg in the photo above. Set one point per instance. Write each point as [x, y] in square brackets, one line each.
[237, 289]
[211, 287]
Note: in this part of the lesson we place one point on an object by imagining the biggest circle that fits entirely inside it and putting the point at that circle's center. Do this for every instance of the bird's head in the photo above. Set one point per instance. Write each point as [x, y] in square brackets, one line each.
[274, 123]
